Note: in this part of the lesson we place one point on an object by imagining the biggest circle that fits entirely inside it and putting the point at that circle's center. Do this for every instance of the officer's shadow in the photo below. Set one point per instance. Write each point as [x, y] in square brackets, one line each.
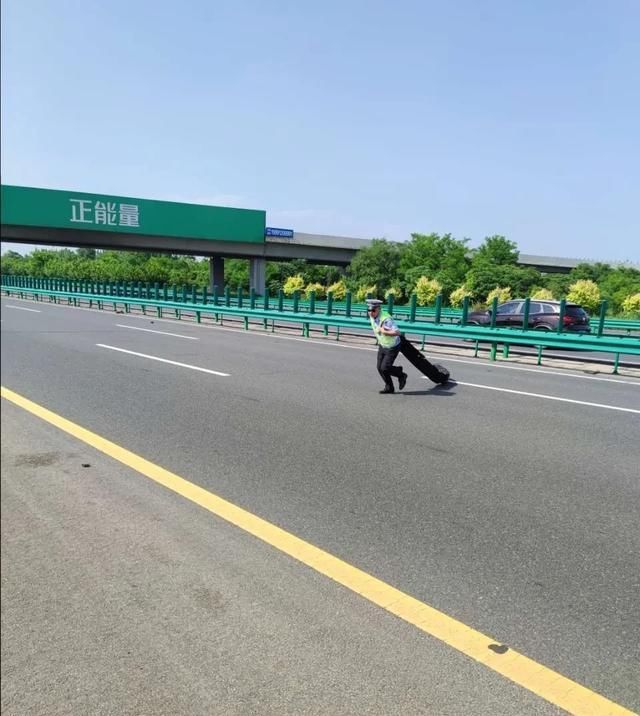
[437, 391]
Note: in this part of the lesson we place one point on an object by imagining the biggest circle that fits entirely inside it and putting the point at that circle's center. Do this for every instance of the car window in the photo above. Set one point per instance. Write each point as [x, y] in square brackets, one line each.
[575, 311]
[507, 308]
[535, 307]
[547, 308]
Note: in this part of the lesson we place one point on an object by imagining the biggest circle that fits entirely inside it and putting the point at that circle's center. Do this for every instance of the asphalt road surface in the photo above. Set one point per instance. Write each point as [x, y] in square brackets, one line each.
[508, 501]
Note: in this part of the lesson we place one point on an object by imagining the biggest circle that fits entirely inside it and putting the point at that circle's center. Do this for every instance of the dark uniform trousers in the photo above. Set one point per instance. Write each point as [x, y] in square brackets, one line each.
[386, 357]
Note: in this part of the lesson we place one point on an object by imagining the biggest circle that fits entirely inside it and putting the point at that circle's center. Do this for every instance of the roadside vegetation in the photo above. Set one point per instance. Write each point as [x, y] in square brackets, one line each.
[427, 265]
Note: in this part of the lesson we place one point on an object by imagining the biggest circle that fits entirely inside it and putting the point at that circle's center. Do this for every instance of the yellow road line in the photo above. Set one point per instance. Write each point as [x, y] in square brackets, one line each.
[535, 677]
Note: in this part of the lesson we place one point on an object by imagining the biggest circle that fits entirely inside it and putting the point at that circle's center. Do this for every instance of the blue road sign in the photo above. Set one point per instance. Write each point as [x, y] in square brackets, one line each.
[281, 233]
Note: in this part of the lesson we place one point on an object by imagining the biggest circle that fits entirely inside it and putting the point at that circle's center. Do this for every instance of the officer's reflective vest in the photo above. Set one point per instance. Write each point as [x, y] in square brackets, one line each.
[383, 340]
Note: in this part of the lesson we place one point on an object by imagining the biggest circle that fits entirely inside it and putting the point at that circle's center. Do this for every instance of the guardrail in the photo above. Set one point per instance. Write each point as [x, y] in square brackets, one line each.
[439, 314]
[411, 311]
[506, 337]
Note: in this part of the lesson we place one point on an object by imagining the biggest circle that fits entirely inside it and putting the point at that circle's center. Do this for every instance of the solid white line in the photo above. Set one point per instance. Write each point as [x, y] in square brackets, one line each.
[163, 333]
[348, 346]
[542, 371]
[548, 397]
[20, 308]
[164, 360]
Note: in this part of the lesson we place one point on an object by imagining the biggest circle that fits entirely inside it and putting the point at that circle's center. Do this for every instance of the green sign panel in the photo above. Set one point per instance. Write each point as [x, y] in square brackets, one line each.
[24, 206]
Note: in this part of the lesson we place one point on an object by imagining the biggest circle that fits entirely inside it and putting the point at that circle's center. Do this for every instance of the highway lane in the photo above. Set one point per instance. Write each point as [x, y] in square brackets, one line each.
[118, 598]
[512, 513]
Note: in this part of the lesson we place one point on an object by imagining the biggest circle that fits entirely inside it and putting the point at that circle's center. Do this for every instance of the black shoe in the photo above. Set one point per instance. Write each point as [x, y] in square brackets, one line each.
[402, 381]
[386, 390]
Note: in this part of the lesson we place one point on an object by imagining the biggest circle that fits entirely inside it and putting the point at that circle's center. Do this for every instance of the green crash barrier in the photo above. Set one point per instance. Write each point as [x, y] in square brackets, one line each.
[465, 311]
[615, 345]
[329, 303]
[603, 311]
[438, 308]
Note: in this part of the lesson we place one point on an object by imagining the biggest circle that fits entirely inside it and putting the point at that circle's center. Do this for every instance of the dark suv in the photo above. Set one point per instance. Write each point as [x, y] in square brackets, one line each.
[543, 316]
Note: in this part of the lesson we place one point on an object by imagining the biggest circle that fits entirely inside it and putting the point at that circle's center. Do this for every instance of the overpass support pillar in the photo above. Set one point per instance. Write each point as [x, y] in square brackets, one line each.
[216, 272]
[258, 275]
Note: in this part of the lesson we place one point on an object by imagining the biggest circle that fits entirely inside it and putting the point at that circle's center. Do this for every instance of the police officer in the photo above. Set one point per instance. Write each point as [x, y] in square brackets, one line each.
[388, 337]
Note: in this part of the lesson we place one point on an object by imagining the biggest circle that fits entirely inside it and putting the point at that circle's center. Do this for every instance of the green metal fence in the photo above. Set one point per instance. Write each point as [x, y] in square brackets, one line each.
[220, 306]
[330, 306]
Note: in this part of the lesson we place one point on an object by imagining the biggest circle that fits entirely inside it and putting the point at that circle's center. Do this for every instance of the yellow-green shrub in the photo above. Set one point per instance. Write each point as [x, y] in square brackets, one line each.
[631, 305]
[292, 284]
[426, 290]
[338, 290]
[362, 292]
[586, 293]
[542, 294]
[457, 297]
[319, 289]
[503, 294]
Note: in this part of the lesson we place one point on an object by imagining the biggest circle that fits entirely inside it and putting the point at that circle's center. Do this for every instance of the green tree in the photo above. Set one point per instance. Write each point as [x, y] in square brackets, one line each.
[236, 274]
[375, 265]
[558, 284]
[13, 264]
[158, 268]
[484, 277]
[590, 272]
[617, 284]
[496, 251]
[441, 257]
[494, 263]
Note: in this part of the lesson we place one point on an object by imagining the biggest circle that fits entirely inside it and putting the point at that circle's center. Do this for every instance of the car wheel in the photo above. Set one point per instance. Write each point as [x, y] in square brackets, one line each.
[543, 328]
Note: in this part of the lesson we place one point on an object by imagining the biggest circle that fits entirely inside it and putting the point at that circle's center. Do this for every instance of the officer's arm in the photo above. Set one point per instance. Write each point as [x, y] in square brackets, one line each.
[389, 331]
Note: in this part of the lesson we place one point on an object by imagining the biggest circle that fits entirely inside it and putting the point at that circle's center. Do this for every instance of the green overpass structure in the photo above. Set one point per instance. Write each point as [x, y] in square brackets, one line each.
[79, 219]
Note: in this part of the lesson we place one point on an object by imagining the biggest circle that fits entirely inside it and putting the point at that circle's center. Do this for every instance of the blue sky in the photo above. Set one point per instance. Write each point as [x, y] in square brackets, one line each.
[365, 119]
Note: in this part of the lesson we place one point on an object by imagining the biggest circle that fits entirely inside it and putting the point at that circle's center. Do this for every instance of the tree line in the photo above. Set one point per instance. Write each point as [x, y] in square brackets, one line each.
[427, 265]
